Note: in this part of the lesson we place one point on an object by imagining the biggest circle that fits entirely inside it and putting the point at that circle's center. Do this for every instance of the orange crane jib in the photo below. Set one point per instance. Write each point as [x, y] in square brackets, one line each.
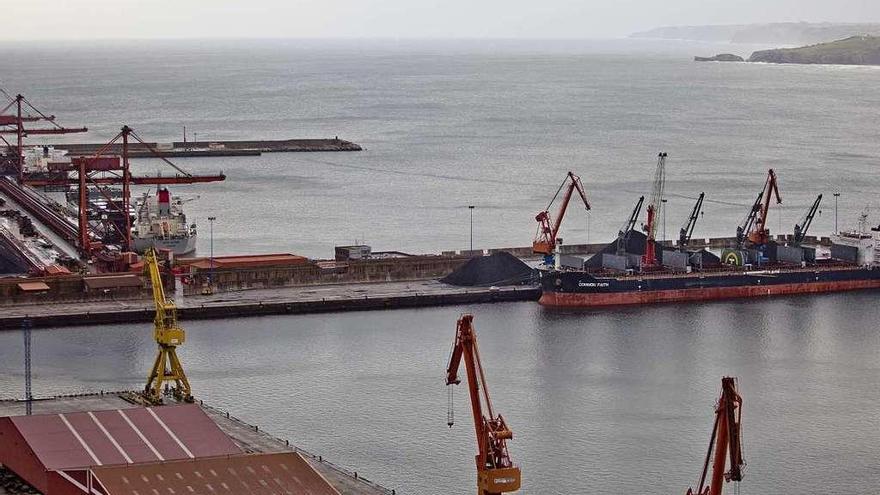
[496, 473]
[726, 440]
[761, 234]
[545, 239]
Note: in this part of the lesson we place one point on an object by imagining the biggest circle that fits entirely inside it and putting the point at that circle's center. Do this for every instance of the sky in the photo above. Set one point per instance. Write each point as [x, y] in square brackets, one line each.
[542, 19]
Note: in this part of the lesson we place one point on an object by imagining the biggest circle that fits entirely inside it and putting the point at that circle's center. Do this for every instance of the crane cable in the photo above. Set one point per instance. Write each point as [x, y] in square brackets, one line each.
[450, 411]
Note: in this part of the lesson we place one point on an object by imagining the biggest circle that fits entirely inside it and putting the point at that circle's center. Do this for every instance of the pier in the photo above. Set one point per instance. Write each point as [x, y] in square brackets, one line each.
[213, 148]
[265, 302]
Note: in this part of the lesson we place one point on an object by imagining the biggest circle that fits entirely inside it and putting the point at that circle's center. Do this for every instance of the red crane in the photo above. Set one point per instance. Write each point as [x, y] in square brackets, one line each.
[653, 211]
[103, 169]
[727, 441]
[761, 234]
[15, 124]
[496, 473]
[545, 239]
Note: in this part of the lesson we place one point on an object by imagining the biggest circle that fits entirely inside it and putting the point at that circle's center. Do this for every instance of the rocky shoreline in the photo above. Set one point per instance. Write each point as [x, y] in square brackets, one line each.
[855, 50]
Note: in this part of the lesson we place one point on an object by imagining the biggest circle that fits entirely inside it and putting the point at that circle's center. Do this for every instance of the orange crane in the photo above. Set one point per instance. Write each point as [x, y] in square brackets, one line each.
[653, 211]
[760, 235]
[545, 239]
[496, 473]
[727, 441]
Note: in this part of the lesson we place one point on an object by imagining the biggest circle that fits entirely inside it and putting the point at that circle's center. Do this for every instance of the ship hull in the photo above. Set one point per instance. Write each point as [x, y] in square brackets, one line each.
[177, 245]
[578, 289]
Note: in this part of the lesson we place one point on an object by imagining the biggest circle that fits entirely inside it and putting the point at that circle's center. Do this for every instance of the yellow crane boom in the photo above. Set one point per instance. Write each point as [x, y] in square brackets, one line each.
[168, 334]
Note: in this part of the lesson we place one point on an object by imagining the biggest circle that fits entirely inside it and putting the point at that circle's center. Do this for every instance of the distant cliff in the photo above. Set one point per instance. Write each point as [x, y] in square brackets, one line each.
[783, 33]
[855, 50]
[721, 57]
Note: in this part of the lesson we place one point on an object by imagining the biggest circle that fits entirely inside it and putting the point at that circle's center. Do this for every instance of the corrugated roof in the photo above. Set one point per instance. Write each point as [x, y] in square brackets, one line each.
[33, 286]
[249, 261]
[113, 281]
[123, 436]
[282, 473]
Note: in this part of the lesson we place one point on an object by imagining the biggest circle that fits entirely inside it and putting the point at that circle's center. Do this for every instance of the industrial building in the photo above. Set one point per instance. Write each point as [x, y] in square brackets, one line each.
[145, 450]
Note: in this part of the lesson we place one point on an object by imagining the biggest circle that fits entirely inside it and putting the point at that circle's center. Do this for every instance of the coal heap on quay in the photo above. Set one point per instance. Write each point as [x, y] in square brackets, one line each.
[497, 269]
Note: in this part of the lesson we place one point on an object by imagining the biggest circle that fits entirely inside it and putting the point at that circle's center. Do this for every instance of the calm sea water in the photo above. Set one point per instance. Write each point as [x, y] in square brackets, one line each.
[600, 402]
[450, 124]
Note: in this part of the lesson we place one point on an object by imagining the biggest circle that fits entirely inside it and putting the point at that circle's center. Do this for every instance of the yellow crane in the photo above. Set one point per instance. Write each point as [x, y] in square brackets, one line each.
[168, 335]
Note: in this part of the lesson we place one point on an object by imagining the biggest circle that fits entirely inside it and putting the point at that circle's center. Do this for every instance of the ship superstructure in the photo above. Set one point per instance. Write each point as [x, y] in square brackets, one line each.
[161, 224]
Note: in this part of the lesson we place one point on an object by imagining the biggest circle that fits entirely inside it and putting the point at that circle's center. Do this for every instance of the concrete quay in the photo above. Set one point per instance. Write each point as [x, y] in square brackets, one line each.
[260, 302]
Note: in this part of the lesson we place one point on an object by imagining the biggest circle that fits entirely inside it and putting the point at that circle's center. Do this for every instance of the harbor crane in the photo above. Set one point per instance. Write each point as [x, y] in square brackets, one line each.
[684, 235]
[626, 230]
[801, 228]
[548, 229]
[726, 439]
[168, 334]
[94, 174]
[754, 227]
[13, 117]
[653, 211]
[496, 473]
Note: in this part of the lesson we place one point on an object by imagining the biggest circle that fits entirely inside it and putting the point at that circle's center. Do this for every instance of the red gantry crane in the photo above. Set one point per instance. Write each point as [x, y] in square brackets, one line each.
[97, 172]
[653, 211]
[496, 473]
[548, 229]
[727, 442]
[14, 123]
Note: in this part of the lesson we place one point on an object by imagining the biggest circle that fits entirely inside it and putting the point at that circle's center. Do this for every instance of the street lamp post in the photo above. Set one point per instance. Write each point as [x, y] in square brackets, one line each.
[471, 207]
[211, 273]
[836, 195]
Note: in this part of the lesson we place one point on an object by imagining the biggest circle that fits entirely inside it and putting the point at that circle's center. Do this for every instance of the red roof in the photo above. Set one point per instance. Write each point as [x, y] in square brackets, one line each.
[122, 436]
[249, 261]
[266, 474]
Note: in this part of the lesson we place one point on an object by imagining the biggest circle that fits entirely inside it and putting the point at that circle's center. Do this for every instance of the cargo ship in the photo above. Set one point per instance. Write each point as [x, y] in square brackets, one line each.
[161, 223]
[636, 269]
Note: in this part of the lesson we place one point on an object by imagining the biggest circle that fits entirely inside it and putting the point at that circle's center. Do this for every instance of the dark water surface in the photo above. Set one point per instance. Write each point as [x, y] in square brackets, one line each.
[600, 402]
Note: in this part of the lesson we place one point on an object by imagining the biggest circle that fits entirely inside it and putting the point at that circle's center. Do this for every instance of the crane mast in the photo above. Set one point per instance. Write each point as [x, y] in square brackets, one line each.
[684, 235]
[168, 334]
[760, 235]
[496, 473]
[726, 439]
[653, 211]
[801, 228]
[623, 234]
[548, 229]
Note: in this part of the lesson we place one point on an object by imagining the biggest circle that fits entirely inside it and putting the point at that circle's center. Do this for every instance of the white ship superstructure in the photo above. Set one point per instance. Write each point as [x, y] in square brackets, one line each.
[161, 223]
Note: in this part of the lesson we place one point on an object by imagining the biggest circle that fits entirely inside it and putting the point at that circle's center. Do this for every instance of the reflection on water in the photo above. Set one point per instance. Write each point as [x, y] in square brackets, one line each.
[613, 401]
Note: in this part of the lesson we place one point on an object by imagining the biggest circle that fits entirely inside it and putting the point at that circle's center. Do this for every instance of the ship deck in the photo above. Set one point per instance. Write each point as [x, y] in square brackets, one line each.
[766, 270]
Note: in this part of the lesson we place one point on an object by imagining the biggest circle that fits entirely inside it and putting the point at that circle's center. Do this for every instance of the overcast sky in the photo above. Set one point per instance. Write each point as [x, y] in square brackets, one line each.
[88, 19]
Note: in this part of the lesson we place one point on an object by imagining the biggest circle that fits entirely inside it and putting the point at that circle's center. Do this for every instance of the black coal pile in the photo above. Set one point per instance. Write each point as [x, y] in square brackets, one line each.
[485, 271]
[634, 244]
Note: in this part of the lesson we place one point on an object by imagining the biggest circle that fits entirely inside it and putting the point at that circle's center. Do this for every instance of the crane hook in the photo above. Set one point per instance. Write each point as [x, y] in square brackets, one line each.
[450, 411]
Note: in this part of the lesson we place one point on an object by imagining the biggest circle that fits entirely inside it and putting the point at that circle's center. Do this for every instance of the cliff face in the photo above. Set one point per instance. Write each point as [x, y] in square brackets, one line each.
[783, 33]
[856, 50]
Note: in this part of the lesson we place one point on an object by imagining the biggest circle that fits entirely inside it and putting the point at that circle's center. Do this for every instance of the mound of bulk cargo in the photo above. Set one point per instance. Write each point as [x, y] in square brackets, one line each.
[485, 271]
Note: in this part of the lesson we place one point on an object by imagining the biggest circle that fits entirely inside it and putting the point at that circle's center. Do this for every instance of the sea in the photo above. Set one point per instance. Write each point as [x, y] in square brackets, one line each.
[600, 401]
